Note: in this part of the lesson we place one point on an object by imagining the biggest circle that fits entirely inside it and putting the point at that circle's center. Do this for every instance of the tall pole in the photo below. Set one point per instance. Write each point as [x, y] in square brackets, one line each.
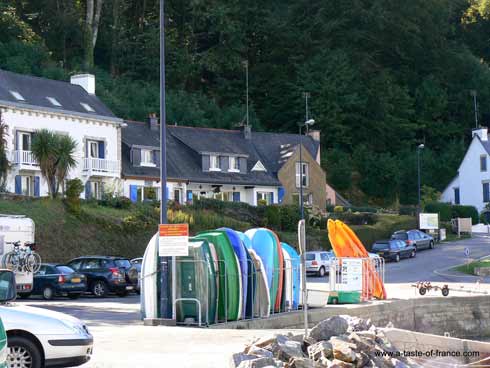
[301, 175]
[418, 174]
[476, 110]
[246, 77]
[165, 308]
[307, 96]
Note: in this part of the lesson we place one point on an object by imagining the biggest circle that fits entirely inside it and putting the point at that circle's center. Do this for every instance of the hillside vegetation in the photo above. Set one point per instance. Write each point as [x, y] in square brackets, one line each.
[126, 231]
[383, 76]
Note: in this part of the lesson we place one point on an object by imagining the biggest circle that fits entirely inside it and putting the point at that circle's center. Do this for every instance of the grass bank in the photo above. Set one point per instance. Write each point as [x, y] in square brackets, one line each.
[470, 267]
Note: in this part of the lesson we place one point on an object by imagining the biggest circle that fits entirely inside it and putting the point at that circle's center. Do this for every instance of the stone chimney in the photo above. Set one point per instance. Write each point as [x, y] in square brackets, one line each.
[481, 132]
[247, 131]
[315, 134]
[153, 122]
[86, 81]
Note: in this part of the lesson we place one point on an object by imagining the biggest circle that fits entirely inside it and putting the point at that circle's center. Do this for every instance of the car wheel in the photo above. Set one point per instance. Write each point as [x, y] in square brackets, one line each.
[74, 295]
[100, 289]
[48, 293]
[431, 245]
[122, 294]
[413, 254]
[321, 272]
[397, 258]
[23, 353]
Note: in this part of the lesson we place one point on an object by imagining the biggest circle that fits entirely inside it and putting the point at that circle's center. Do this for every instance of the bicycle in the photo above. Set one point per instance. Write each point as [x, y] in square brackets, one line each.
[22, 258]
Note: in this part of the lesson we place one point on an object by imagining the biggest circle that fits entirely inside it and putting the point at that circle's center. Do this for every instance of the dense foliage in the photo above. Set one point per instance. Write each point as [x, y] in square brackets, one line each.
[384, 75]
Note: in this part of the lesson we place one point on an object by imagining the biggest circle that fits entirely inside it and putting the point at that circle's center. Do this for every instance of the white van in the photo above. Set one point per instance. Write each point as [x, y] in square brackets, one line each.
[15, 228]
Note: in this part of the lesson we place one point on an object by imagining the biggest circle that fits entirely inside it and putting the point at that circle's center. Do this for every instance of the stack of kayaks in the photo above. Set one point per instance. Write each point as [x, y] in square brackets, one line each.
[228, 275]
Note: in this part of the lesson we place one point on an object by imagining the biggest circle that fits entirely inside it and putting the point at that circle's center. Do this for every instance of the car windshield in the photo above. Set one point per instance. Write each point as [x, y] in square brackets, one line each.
[381, 246]
[310, 256]
[400, 236]
[123, 263]
[64, 269]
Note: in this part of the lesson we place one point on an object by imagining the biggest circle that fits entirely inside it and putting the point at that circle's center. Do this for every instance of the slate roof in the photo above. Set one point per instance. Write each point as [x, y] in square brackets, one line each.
[35, 90]
[186, 144]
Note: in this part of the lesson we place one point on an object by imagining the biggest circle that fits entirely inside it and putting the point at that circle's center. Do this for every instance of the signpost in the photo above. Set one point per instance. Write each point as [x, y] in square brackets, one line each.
[351, 276]
[173, 240]
[429, 221]
[302, 251]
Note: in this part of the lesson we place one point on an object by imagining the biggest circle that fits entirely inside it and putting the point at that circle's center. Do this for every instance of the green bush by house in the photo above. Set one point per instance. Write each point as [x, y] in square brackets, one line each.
[448, 211]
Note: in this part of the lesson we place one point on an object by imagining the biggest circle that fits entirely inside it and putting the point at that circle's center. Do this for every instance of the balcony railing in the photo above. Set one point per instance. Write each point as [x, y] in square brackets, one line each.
[24, 158]
[100, 166]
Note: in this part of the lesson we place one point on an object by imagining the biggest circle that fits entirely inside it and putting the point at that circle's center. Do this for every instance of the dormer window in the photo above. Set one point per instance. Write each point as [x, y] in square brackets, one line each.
[234, 164]
[54, 101]
[214, 163]
[87, 107]
[147, 158]
[17, 96]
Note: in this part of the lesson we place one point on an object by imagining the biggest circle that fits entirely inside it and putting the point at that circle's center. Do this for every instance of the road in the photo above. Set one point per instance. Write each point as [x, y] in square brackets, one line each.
[122, 341]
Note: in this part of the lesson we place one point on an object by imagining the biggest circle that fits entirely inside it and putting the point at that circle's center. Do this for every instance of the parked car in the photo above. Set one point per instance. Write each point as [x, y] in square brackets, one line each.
[417, 238]
[39, 337]
[57, 280]
[134, 273]
[394, 250]
[104, 274]
[318, 262]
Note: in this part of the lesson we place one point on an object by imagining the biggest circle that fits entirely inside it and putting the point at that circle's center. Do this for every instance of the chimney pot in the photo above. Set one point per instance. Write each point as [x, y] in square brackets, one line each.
[247, 132]
[481, 132]
[86, 81]
[153, 122]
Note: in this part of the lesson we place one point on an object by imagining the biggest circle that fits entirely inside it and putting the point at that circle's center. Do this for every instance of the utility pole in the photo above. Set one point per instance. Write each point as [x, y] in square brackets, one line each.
[245, 64]
[306, 96]
[474, 94]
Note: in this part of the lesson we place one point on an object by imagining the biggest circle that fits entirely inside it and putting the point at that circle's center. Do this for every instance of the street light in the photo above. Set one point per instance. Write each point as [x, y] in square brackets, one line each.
[419, 148]
[306, 124]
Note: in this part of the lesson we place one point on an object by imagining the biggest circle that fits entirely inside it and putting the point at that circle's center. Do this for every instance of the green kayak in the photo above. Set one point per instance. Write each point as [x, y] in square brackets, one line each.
[229, 286]
[196, 278]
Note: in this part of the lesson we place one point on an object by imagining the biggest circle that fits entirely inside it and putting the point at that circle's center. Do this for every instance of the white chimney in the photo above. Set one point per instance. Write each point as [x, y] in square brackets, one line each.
[481, 132]
[86, 81]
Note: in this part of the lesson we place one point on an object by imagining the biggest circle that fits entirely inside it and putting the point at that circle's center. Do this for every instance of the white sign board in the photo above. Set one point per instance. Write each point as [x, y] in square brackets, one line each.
[429, 221]
[351, 276]
[173, 240]
[442, 234]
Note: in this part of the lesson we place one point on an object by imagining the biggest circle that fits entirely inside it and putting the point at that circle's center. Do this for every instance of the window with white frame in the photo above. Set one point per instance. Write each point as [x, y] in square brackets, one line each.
[93, 149]
[264, 197]
[27, 185]
[25, 140]
[147, 158]
[302, 173]
[214, 163]
[234, 164]
[96, 189]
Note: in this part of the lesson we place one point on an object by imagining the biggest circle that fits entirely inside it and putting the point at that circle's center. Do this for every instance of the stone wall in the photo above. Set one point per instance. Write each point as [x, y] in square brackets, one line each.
[463, 317]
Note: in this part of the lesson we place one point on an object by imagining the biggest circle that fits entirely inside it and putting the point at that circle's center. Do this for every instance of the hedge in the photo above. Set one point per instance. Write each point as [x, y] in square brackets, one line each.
[448, 211]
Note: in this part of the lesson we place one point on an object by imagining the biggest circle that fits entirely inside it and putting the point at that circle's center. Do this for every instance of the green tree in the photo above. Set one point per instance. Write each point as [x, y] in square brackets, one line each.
[339, 169]
[4, 162]
[65, 152]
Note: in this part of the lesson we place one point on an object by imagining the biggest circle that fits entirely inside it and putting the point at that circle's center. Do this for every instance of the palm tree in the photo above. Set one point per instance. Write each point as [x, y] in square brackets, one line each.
[4, 162]
[65, 148]
[44, 149]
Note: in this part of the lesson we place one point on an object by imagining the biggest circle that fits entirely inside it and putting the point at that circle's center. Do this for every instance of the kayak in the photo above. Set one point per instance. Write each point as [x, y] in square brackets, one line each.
[295, 274]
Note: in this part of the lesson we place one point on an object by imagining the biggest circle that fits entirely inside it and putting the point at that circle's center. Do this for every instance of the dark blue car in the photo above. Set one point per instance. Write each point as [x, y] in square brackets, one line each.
[57, 280]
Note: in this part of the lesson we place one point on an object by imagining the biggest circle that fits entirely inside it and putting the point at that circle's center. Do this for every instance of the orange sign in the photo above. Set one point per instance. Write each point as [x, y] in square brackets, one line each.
[174, 229]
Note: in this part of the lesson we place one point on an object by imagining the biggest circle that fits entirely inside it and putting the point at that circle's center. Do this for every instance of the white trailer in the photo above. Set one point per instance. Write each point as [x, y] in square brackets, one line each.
[15, 228]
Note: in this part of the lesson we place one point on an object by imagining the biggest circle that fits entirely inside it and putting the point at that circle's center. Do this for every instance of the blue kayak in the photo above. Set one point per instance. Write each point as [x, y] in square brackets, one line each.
[245, 239]
[243, 260]
[295, 265]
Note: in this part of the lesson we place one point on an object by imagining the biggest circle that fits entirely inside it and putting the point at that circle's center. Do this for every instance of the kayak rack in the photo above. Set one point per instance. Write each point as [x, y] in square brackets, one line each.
[195, 300]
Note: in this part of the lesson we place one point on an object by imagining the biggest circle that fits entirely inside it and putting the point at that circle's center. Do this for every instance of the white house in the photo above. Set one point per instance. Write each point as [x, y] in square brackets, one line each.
[471, 186]
[29, 104]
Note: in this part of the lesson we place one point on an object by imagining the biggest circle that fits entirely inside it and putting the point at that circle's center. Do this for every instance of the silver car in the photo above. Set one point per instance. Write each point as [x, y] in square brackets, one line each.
[318, 262]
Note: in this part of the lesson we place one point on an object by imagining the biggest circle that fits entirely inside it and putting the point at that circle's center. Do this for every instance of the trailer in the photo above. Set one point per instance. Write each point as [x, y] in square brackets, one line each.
[17, 228]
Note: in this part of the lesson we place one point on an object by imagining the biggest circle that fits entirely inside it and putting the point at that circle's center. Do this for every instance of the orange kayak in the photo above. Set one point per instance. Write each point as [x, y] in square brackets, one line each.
[345, 243]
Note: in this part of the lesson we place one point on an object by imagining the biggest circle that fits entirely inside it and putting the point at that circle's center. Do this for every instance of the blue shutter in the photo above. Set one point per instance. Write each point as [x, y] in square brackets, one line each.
[280, 194]
[88, 190]
[456, 196]
[486, 193]
[133, 193]
[37, 191]
[272, 197]
[18, 184]
[236, 196]
[101, 149]
[189, 196]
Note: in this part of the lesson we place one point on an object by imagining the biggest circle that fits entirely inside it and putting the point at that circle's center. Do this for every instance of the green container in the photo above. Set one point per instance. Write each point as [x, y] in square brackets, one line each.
[3, 346]
[344, 297]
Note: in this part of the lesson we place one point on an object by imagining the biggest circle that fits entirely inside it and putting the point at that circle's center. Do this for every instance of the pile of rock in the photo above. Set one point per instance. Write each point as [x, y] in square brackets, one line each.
[337, 342]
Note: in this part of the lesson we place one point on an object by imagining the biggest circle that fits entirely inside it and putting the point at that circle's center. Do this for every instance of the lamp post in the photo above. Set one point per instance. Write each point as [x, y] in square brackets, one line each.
[474, 94]
[419, 149]
[165, 295]
[301, 125]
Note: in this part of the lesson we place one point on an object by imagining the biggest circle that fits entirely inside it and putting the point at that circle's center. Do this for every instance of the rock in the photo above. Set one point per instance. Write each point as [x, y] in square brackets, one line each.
[343, 350]
[362, 344]
[237, 359]
[258, 363]
[332, 326]
[285, 349]
[340, 364]
[320, 349]
[357, 324]
[265, 341]
[303, 363]
[361, 359]
[261, 352]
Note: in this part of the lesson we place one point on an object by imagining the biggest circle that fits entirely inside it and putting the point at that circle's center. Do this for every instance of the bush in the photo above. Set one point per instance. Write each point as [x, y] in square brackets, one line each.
[338, 209]
[330, 207]
[408, 210]
[465, 212]
[363, 209]
[109, 200]
[443, 209]
[272, 217]
[289, 216]
[356, 218]
[74, 188]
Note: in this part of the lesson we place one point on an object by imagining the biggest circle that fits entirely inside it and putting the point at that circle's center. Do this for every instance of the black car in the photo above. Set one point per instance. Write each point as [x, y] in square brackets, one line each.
[394, 250]
[105, 274]
[417, 238]
[57, 280]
